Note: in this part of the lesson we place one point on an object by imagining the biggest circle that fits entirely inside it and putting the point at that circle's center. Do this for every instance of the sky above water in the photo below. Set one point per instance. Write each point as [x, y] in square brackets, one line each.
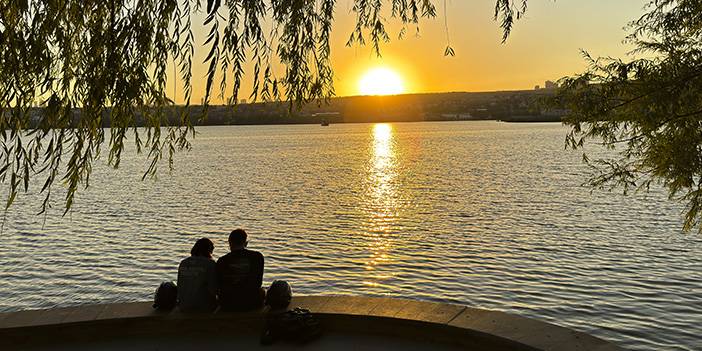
[545, 45]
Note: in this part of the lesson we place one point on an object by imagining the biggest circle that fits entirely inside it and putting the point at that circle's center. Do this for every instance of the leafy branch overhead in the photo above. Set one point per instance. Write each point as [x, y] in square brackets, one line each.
[647, 110]
[96, 63]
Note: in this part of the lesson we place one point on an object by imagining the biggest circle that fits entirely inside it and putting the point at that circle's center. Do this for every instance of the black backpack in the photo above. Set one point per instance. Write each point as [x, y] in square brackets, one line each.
[279, 294]
[166, 296]
[296, 326]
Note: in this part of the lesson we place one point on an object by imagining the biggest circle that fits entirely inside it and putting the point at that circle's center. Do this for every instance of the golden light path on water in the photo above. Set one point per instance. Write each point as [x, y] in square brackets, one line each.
[381, 197]
[479, 213]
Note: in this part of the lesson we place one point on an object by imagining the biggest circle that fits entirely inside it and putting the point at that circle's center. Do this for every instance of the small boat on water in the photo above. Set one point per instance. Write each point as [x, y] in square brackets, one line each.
[325, 117]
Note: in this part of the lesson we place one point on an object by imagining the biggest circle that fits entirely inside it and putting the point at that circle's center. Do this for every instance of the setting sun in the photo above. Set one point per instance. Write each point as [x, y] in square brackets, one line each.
[381, 81]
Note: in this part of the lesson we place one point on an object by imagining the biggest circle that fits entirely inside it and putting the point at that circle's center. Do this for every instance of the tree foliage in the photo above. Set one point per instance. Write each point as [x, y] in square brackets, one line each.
[92, 61]
[648, 109]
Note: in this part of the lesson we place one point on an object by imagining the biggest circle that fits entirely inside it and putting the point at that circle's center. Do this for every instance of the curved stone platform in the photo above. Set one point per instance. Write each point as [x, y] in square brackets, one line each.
[350, 322]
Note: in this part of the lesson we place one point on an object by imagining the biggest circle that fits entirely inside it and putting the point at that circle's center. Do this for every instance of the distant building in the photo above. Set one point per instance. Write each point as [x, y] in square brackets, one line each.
[550, 85]
[243, 101]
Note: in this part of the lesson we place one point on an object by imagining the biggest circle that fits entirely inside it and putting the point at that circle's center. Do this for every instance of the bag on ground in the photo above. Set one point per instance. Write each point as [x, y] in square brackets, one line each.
[279, 294]
[297, 325]
[166, 296]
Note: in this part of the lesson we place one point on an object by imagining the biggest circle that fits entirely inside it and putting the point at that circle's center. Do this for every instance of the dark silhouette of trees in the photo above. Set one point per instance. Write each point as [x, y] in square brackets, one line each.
[648, 109]
[94, 62]
[88, 61]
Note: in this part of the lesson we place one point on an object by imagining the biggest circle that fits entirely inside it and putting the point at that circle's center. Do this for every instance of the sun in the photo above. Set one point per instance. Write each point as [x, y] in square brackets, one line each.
[381, 81]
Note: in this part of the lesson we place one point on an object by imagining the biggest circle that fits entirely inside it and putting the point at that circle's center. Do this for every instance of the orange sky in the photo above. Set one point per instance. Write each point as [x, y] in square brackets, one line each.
[543, 46]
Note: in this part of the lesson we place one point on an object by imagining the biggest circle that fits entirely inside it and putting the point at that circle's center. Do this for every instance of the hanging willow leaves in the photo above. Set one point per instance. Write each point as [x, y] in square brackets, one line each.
[507, 12]
[96, 63]
[647, 110]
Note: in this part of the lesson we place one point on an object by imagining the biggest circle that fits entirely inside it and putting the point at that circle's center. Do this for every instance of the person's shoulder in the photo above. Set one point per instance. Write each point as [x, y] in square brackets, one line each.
[224, 258]
[205, 260]
[209, 263]
[196, 261]
[186, 260]
[254, 253]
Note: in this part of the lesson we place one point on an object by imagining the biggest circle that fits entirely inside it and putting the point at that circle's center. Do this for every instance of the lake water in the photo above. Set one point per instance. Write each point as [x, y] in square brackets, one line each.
[485, 214]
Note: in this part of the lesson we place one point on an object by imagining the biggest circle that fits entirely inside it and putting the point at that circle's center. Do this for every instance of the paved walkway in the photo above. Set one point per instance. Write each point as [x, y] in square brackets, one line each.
[350, 323]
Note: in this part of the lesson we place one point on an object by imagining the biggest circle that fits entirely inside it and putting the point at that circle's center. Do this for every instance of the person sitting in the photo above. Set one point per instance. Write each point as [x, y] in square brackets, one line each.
[197, 279]
[240, 275]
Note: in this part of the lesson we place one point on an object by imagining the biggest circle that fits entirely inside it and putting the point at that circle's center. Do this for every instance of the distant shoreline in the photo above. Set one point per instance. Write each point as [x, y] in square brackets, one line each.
[507, 106]
[532, 119]
[379, 121]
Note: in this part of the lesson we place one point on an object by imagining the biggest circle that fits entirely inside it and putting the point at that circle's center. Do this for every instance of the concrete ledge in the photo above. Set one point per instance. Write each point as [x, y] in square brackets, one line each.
[448, 324]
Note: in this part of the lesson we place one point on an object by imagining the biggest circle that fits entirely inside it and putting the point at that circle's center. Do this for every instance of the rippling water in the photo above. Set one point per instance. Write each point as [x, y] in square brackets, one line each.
[485, 214]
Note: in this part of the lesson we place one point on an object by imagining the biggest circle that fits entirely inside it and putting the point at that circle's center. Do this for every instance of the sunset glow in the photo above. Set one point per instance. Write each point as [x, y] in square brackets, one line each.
[535, 53]
[381, 81]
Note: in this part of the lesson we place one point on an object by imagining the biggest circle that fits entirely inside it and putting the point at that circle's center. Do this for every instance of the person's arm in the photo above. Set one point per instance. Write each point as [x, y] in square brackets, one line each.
[258, 276]
[180, 266]
[212, 278]
[219, 273]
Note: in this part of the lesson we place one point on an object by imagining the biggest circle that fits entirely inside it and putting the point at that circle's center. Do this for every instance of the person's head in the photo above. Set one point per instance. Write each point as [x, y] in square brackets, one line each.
[203, 247]
[237, 239]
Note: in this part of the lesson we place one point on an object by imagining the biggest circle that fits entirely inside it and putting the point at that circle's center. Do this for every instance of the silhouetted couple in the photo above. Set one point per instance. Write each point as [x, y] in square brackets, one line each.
[234, 282]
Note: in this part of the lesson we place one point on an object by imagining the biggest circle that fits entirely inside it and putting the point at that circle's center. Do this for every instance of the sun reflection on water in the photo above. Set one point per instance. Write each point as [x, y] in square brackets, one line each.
[381, 201]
